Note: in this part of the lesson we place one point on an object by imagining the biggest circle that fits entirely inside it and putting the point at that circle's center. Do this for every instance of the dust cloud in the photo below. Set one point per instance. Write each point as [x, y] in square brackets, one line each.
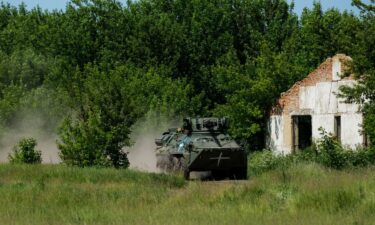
[142, 154]
[30, 126]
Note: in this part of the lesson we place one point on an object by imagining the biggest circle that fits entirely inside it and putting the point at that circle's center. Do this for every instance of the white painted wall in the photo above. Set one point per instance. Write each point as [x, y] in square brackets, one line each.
[276, 135]
[307, 97]
[322, 102]
[351, 129]
[345, 107]
[326, 100]
[275, 131]
[322, 120]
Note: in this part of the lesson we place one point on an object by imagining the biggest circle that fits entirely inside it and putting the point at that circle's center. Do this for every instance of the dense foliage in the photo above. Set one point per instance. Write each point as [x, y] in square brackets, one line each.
[25, 152]
[97, 67]
[363, 67]
[326, 151]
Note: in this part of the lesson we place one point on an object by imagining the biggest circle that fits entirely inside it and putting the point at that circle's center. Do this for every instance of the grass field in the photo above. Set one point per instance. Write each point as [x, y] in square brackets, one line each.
[302, 194]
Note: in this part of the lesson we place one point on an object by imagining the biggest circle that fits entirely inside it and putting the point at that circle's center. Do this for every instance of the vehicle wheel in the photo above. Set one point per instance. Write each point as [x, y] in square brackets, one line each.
[217, 175]
[162, 163]
[240, 173]
[182, 164]
[187, 174]
[175, 164]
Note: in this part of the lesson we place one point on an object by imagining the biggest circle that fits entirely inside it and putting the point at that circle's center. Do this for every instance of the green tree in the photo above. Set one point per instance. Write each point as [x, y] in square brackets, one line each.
[21, 73]
[161, 57]
[363, 68]
[97, 132]
[25, 152]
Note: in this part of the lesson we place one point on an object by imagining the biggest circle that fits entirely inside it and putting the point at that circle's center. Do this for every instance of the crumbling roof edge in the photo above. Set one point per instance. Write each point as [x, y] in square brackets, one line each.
[278, 107]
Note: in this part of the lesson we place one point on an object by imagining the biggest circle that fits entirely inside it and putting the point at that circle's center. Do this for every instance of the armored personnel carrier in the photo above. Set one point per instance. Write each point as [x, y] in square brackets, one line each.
[202, 144]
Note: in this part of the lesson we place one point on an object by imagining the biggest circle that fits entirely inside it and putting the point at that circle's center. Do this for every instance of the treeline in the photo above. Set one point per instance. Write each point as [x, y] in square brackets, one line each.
[97, 67]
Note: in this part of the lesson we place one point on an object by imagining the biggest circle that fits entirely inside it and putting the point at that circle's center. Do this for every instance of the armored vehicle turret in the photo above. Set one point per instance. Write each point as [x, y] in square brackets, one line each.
[202, 144]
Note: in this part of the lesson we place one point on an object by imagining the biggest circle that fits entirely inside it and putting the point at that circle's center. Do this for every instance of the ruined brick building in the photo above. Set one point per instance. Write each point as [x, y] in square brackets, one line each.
[312, 103]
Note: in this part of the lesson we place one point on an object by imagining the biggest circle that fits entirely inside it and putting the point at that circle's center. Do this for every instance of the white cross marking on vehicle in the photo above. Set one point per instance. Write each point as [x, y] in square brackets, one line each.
[219, 158]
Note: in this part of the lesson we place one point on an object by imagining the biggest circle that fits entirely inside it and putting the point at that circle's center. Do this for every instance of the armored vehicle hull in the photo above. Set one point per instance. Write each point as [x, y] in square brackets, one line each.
[201, 145]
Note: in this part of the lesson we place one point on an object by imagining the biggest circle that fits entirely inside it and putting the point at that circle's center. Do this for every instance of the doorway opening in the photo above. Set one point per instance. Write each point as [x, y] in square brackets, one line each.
[302, 132]
[337, 127]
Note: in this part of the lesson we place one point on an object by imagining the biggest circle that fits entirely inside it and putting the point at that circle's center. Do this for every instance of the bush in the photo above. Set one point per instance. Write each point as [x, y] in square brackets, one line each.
[266, 160]
[96, 133]
[24, 152]
[326, 151]
[262, 161]
[330, 152]
[86, 143]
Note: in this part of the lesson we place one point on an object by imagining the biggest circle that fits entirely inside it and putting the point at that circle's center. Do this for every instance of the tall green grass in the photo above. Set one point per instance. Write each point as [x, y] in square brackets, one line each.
[298, 194]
